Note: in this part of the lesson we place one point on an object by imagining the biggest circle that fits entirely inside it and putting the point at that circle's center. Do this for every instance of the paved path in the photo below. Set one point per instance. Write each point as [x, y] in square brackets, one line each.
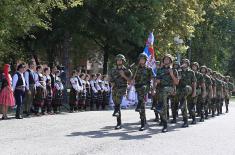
[92, 133]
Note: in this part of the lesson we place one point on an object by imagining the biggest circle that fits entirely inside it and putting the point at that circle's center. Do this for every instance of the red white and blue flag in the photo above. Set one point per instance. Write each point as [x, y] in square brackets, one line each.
[149, 51]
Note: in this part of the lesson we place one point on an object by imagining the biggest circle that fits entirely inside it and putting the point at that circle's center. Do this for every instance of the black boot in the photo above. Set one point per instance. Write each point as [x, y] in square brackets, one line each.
[174, 120]
[206, 114]
[161, 122]
[202, 118]
[164, 129]
[185, 125]
[142, 127]
[194, 120]
[119, 123]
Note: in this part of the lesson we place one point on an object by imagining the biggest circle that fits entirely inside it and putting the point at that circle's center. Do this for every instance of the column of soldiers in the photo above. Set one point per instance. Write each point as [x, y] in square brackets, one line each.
[195, 90]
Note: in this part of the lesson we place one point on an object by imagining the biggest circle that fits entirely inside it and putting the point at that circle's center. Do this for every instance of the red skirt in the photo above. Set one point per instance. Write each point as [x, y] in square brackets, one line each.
[7, 97]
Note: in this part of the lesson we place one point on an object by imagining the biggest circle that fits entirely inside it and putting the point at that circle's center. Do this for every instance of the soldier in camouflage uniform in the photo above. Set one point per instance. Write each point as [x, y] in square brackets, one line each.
[119, 76]
[230, 90]
[208, 89]
[155, 92]
[219, 92]
[175, 97]
[142, 79]
[212, 106]
[199, 99]
[187, 88]
[166, 81]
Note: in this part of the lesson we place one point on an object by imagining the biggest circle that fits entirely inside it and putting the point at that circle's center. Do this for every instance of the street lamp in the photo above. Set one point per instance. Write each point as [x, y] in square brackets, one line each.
[178, 43]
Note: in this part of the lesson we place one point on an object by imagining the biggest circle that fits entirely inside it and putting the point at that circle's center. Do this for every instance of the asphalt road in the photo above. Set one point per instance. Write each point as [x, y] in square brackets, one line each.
[93, 133]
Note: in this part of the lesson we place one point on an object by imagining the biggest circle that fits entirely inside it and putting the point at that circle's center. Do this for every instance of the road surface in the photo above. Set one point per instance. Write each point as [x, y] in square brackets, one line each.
[93, 133]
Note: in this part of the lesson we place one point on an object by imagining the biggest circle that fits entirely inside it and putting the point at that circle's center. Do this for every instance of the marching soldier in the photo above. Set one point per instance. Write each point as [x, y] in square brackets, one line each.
[208, 90]
[155, 92]
[166, 81]
[119, 76]
[212, 106]
[199, 99]
[175, 97]
[142, 79]
[186, 88]
[230, 90]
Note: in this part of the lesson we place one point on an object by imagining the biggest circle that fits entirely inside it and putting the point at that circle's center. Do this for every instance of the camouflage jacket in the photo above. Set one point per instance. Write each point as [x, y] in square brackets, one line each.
[117, 79]
[165, 78]
[187, 78]
[208, 81]
[219, 84]
[143, 77]
[230, 86]
[200, 79]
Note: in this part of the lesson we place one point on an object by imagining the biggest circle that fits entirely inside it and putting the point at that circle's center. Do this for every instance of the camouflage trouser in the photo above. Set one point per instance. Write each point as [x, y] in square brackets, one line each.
[207, 104]
[183, 95]
[164, 93]
[174, 105]
[219, 102]
[117, 95]
[193, 105]
[141, 93]
[201, 104]
[226, 99]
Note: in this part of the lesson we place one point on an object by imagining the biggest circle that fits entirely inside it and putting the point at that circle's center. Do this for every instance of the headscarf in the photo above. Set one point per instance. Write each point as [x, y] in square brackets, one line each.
[6, 73]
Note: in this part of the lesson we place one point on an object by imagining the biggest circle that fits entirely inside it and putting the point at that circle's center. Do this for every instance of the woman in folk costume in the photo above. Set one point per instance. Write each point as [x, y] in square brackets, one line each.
[48, 100]
[6, 94]
[75, 89]
[94, 91]
[98, 85]
[40, 95]
[106, 93]
[58, 93]
[88, 90]
[83, 93]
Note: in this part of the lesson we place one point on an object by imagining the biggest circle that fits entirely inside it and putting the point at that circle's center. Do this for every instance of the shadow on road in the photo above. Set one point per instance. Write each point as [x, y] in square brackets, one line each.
[129, 131]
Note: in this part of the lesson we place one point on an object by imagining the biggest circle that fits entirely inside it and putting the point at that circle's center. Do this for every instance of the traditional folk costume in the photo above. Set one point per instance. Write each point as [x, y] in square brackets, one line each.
[58, 95]
[74, 94]
[47, 107]
[106, 93]
[100, 99]
[94, 93]
[40, 94]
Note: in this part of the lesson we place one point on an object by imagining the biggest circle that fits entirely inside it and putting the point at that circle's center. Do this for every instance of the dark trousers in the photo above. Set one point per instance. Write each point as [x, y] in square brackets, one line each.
[19, 97]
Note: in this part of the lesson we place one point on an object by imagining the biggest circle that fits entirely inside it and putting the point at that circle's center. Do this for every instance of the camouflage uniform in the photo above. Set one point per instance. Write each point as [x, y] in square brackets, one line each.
[143, 76]
[198, 100]
[166, 88]
[208, 87]
[185, 90]
[219, 94]
[175, 97]
[119, 88]
[156, 93]
[212, 106]
[230, 89]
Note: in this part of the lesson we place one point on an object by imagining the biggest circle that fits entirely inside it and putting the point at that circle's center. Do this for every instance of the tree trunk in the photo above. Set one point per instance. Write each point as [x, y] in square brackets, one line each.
[106, 58]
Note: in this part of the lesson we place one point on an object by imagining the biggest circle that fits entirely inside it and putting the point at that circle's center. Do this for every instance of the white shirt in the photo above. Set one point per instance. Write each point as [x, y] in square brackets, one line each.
[98, 85]
[92, 82]
[74, 83]
[26, 76]
[36, 78]
[15, 80]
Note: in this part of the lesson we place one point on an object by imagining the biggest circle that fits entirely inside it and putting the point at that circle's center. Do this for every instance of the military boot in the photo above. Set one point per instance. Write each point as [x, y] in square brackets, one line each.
[202, 118]
[164, 129]
[119, 123]
[194, 119]
[142, 127]
[185, 125]
[206, 114]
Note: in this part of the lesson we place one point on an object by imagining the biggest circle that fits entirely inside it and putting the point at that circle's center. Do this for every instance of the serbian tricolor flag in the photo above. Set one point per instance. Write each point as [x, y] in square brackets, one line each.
[149, 51]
